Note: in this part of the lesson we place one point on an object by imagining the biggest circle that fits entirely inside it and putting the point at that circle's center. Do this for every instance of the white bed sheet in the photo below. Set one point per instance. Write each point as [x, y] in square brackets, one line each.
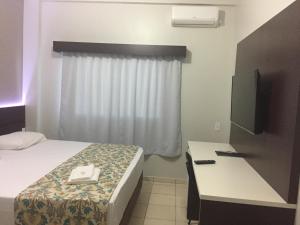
[19, 169]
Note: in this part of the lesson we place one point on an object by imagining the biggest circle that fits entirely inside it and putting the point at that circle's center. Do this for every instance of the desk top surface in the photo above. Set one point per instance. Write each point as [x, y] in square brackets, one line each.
[231, 179]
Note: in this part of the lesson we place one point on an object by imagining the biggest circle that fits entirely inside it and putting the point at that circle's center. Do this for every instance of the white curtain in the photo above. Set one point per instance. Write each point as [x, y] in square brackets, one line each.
[122, 100]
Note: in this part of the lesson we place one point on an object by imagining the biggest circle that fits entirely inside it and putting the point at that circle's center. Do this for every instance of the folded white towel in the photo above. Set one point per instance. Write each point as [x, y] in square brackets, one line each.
[92, 180]
[82, 172]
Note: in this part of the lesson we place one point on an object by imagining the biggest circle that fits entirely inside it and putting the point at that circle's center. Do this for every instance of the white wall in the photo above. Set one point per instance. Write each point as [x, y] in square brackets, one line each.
[206, 79]
[30, 59]
[188, 2]
[11, 20]
[251, 14]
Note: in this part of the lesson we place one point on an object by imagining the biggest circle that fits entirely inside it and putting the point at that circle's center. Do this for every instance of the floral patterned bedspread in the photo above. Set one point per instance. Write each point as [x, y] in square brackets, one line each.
[51, 201]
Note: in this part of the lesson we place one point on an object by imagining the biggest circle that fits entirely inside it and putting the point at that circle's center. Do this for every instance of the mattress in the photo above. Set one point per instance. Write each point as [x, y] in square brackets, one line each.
[19, 169]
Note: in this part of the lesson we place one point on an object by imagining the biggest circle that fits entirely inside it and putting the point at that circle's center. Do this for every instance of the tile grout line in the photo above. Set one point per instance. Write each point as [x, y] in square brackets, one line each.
[175, 202]
[175, 207]
[161, 204]
[148, 202]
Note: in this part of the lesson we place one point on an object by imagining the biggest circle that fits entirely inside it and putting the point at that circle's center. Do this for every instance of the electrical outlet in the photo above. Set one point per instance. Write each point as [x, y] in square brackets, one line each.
[217, 126]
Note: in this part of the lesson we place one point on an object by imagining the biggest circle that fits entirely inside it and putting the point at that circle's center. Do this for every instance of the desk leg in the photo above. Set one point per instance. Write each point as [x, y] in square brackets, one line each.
[199, 221]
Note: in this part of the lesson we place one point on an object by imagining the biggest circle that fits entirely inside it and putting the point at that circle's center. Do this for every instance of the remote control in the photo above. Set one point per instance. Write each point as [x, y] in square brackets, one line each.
[230, 153]
[203, 162]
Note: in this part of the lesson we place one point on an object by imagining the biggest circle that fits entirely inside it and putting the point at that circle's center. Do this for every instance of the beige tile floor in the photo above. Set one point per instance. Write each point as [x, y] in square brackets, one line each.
[161, 204]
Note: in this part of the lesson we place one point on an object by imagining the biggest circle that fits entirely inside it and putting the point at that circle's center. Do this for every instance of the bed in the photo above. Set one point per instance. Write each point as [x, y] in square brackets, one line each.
[22, 168]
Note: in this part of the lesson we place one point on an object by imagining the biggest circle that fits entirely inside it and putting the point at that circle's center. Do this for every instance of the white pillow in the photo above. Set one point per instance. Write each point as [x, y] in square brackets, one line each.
[20, 140]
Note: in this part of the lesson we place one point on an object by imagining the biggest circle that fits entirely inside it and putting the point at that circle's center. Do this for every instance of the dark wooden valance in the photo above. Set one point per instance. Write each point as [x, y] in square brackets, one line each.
[120, 49]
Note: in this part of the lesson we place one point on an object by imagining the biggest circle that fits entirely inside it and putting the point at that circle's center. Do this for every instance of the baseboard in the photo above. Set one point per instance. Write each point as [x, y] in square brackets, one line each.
[165, 180]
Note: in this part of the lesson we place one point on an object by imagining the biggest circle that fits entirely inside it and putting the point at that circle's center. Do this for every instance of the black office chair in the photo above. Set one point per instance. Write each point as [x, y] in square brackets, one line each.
[193, 204]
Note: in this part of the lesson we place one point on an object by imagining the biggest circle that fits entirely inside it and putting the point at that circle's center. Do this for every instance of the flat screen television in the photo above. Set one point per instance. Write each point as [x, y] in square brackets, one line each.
[246, 106]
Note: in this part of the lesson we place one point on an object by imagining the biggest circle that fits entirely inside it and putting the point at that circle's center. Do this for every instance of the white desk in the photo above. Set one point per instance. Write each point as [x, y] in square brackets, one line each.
[232, 188]
[231, 179]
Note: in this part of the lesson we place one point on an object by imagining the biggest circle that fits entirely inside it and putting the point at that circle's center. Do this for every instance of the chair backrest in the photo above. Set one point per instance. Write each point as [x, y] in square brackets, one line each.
[193, 205]
[189, 166]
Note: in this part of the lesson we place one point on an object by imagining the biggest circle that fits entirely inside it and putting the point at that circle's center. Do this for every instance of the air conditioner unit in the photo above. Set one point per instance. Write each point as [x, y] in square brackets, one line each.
[196, 16]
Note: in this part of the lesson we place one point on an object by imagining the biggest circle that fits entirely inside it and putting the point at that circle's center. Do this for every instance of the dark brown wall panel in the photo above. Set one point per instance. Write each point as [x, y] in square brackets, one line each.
[12, 119]
[226, 213]
[274, 49]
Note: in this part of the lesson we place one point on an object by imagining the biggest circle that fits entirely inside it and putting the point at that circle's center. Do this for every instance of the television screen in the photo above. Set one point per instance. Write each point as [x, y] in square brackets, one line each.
[245, 107]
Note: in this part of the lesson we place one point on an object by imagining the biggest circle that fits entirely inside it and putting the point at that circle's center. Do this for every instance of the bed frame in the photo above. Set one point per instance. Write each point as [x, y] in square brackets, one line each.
[130, 206]
[12, 119]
